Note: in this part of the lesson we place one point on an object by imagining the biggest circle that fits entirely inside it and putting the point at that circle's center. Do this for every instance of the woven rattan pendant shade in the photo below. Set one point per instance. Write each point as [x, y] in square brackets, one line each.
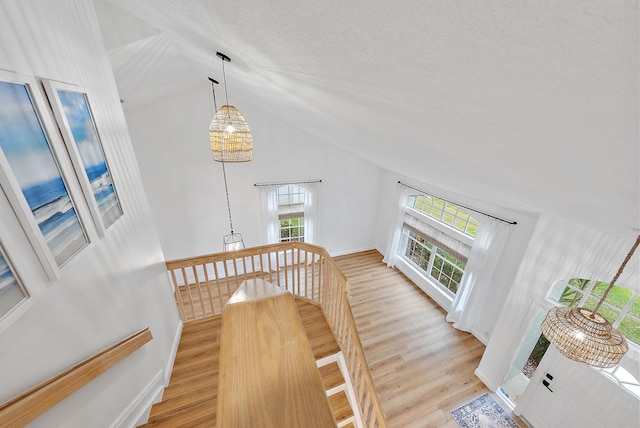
[230, 136]
[584, 335]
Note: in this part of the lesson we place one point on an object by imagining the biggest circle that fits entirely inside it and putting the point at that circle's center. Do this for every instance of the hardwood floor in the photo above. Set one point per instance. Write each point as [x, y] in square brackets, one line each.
[421, 366]
[190, 400]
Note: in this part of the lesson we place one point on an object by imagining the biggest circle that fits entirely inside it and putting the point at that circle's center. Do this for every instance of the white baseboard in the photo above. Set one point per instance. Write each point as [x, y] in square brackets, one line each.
[172, 355]
[480, 337]
[484, 379]
[137, 412]
[344, 253]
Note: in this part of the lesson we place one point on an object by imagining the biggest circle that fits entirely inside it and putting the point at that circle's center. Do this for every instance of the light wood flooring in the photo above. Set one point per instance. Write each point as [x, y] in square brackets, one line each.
[421, 366]
[190, 400]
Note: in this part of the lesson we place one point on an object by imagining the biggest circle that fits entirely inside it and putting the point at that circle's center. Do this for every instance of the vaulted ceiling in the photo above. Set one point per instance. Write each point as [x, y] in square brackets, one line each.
[527, 105]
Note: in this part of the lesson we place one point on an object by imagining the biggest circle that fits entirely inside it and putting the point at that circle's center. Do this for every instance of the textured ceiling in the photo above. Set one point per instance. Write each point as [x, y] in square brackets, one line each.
[527, 105]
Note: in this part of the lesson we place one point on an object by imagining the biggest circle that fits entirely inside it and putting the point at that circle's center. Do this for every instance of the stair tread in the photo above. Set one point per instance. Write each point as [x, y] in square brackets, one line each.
[340, 405]
[194, 412]
[185, 385]
[178, 402]
[331, 375]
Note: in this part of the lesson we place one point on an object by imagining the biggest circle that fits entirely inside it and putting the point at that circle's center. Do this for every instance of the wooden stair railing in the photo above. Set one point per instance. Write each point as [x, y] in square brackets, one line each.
[202, 286]
[28, 406]
[268, 375]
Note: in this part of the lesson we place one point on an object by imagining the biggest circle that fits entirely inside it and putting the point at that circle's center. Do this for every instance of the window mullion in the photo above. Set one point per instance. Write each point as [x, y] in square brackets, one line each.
[432, 258]
[587, 293]
[625, 310]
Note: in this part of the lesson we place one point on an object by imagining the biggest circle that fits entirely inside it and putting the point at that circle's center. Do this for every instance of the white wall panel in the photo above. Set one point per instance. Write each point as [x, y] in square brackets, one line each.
[186, 190]
[116, 286]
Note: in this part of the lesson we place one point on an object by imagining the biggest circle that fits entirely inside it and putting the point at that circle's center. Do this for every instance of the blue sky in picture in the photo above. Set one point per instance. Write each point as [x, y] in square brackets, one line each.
[22, 139]
[78, 116]
[32, 162]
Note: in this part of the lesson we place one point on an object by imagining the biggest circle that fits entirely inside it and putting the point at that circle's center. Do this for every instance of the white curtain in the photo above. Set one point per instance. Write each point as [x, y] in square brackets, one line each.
[270, 223]
[311, 234]
[477, 281]
[391, 254]
[270, 220]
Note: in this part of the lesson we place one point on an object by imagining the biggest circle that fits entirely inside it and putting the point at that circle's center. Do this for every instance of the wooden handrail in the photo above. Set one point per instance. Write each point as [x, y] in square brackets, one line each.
[28, 406]
[204, 284]
[267, 375]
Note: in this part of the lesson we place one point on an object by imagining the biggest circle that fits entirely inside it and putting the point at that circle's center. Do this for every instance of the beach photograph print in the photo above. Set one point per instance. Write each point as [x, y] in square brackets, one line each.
[28, 153]
[11, 293]
[78, 115]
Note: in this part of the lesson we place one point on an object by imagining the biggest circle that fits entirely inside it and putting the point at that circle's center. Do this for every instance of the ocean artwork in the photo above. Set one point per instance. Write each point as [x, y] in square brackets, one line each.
[11, 293]
[32, 163]
[76, 110]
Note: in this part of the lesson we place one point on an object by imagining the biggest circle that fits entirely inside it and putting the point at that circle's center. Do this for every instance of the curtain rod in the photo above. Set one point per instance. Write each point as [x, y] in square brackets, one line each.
[282, 183]
[462, 206]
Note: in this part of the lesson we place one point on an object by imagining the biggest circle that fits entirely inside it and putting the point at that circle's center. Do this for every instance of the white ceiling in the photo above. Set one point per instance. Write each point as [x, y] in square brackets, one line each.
[529, 105]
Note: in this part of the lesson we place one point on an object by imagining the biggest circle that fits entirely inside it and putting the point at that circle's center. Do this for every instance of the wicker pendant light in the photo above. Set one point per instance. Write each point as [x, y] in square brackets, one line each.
[584, 335]
[229, 133]
[232, 241]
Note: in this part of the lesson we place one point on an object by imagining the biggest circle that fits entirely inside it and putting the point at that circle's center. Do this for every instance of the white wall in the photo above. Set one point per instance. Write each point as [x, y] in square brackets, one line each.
[186, 190]
[111, 289]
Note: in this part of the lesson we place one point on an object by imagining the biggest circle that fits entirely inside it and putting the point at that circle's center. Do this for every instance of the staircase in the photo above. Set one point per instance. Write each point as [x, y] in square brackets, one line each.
[190, 400]
[191, 397]
[337, 389]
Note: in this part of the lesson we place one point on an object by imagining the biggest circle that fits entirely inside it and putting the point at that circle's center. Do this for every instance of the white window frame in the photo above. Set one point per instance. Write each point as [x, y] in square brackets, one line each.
[289, 214]
[558, 288]
[440, 220]
[405, 237]
[445, 296]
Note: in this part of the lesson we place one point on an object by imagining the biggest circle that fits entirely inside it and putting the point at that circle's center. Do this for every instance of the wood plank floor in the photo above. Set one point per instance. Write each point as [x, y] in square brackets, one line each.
[422, 367]
[190, 400]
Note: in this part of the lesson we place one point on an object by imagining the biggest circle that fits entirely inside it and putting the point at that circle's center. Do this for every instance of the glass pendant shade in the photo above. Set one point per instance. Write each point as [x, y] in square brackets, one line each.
[233, 242]
[230, 136]
[584, 336]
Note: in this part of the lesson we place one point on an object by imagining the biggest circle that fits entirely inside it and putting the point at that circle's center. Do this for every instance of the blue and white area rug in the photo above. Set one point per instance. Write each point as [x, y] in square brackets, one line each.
[483, 412]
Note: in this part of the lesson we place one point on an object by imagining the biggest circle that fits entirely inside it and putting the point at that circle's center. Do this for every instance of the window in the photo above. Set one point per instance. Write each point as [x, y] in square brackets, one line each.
[291, 212]
[445, 212]
[621, 307]
[436, 239]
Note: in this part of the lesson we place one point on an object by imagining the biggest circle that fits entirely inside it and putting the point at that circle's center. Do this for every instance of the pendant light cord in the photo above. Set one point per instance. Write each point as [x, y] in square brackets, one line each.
[226, 94]
[617, 275]
[224, 172]
[226, 190]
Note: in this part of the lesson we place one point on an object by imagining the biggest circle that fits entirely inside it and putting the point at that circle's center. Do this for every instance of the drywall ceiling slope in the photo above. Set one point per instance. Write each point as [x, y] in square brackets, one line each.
[529, 105]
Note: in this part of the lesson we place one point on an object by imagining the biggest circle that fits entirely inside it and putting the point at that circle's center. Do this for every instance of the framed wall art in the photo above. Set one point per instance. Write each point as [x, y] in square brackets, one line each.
[72, 111]
[12, 292]
[31, 176]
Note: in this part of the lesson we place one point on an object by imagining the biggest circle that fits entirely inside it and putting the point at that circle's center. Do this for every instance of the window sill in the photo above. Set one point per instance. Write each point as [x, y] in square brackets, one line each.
[425, 284]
